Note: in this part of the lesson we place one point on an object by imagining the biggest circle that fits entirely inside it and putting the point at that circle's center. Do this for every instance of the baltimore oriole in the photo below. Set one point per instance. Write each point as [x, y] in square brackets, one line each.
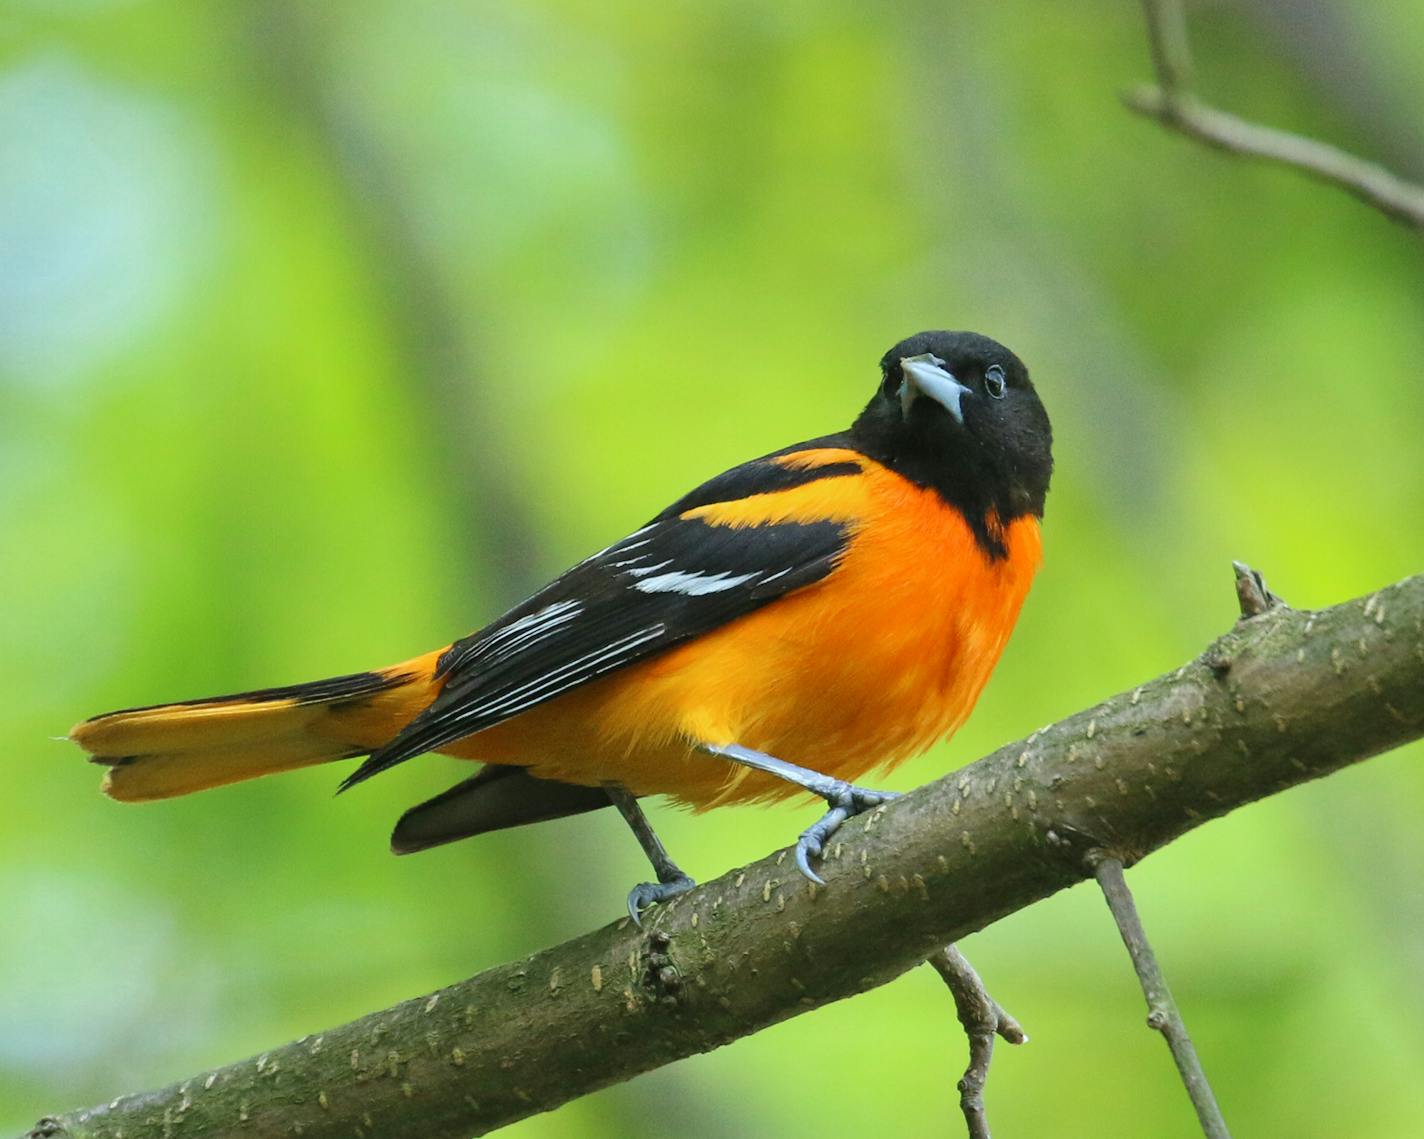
[838, 604]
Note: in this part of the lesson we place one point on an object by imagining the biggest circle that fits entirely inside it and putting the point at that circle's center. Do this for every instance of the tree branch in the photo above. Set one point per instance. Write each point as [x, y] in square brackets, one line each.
[1283, 697]
[982, 1018]
[1172, 103]
[1162, 1011]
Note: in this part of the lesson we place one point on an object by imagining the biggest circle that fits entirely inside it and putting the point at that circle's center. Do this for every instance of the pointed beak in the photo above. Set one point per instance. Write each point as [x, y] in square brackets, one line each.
[927, 376]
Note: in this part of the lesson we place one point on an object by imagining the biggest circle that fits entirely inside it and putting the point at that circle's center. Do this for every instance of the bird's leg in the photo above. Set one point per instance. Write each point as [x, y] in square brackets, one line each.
[845, 799]
[671, 881]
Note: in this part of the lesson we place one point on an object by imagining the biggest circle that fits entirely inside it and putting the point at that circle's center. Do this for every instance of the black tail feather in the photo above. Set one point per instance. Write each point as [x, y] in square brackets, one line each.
[496, 798]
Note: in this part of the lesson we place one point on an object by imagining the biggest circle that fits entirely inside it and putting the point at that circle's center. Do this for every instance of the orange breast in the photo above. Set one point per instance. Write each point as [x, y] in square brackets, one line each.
[869, 666]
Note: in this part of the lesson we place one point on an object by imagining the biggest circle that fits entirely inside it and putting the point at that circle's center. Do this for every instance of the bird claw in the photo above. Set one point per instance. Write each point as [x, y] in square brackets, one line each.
[809, 845]
[646, 894]
[846, 802]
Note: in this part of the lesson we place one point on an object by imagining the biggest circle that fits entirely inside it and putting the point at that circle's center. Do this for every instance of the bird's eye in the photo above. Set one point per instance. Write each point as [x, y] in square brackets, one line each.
[994, 382]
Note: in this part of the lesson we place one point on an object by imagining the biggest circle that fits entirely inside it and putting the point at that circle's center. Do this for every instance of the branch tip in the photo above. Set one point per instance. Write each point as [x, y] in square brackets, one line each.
[1252, 593]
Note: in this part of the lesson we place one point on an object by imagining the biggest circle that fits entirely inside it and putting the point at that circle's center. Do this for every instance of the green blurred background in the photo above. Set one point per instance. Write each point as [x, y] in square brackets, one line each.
[327, 331]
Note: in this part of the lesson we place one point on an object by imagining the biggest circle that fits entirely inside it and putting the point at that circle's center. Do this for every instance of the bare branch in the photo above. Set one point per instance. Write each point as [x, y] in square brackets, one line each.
[1172, 103]
[1162, 1011]
[983, 1018]
[1282, 698]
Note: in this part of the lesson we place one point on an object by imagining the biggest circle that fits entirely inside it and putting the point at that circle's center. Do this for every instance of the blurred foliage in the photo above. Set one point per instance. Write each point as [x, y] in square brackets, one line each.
[286, 289]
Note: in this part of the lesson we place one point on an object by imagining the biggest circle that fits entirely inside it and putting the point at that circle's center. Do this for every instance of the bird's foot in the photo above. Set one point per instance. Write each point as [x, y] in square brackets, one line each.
[846, 801]
[646, 894]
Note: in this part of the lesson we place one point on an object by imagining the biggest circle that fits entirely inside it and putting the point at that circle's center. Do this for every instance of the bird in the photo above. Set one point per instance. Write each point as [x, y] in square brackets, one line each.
[792, 624]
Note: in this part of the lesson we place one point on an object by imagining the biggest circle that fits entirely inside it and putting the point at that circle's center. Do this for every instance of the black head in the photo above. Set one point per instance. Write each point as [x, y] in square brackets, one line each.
[956, 412]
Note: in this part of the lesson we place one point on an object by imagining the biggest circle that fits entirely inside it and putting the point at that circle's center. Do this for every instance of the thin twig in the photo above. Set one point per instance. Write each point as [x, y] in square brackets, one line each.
[1171, 50]
[983, 1018]
[1162, 1012]
[1172, 103]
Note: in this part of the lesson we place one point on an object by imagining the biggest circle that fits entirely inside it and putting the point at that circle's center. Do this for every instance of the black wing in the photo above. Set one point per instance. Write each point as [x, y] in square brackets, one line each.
[670, 581]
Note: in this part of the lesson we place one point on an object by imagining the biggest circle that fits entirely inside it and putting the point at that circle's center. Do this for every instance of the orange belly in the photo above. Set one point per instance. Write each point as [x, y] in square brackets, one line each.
[864, 669]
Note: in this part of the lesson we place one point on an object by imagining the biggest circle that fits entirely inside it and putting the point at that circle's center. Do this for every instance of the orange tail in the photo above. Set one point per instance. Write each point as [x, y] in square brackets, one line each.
[172, 749]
